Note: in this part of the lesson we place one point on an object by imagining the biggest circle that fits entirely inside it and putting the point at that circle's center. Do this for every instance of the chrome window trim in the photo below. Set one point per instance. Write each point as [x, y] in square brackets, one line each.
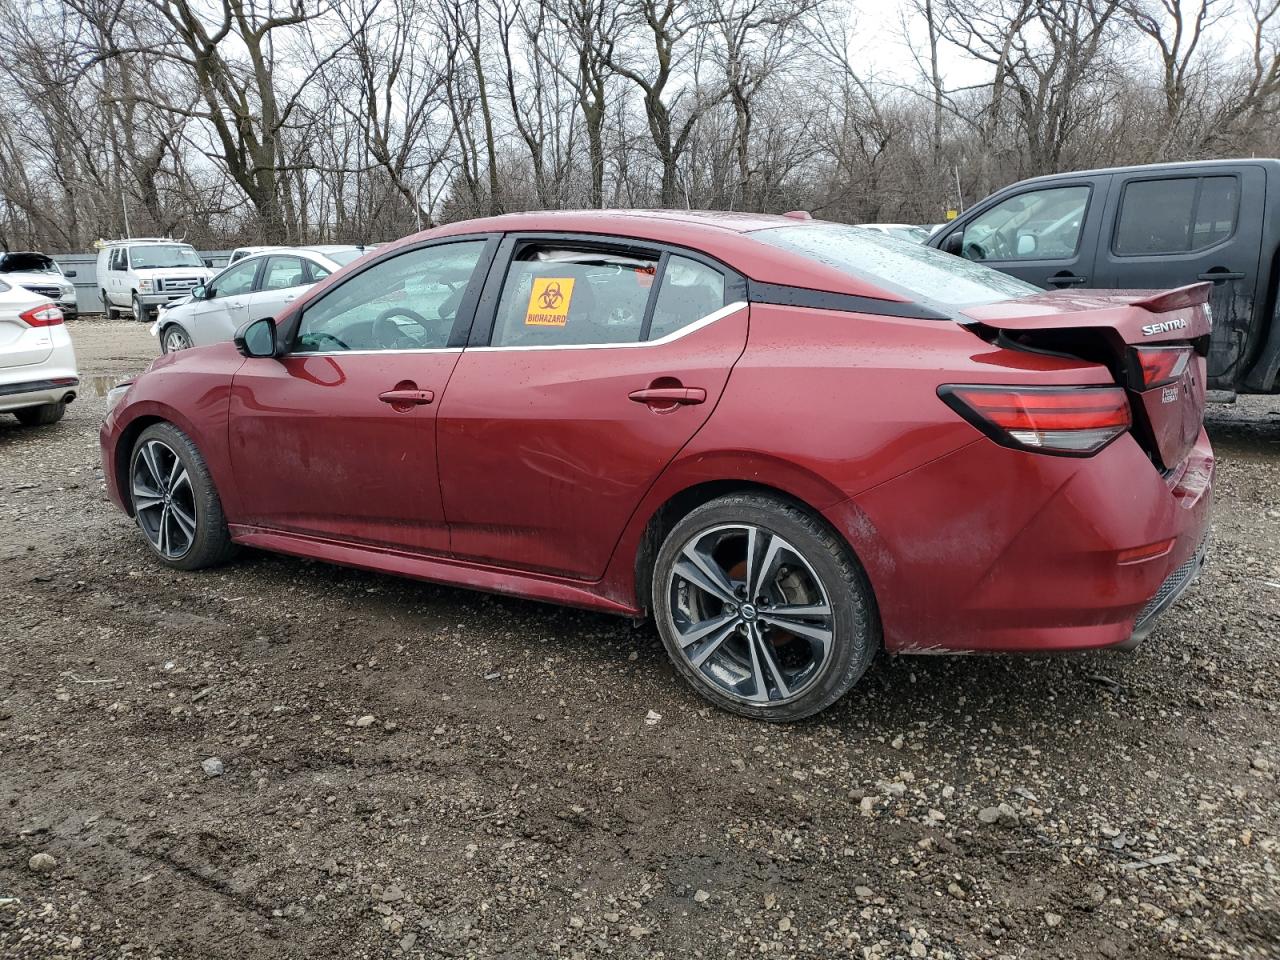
[684, 331]
[361, 353]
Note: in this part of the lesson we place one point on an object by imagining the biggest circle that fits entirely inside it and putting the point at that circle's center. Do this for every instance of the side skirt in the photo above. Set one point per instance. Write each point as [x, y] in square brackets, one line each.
[455, 573]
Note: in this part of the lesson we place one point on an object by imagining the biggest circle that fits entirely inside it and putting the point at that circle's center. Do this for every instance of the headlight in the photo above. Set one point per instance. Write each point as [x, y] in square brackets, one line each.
[68, 291]
[144, 286]
[116, 394]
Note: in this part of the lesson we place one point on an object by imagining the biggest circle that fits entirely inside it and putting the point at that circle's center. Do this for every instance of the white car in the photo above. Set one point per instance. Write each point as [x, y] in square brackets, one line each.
[259, 285]
[903, 231]
[144, 274]
[40, 274]
[38, 375]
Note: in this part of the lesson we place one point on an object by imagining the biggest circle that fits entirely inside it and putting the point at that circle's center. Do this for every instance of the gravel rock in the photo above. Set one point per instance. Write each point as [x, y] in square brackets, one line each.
[213, 767]
[42, 863]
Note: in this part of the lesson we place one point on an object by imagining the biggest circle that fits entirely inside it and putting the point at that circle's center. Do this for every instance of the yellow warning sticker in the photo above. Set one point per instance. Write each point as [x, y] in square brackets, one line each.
[549, 302]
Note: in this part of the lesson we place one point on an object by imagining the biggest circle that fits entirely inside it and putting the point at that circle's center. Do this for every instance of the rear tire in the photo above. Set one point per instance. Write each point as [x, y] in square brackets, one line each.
[41, 416]
[174, 501]
[778, 637]
[111, 312]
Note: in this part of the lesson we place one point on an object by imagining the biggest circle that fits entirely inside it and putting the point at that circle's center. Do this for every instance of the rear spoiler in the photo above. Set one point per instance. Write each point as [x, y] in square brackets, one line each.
[1192, 295]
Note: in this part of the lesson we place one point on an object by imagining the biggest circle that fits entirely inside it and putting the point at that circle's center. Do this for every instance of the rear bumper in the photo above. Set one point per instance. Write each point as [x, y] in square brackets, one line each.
[36, 393]
[1174, 586]
[992, 550]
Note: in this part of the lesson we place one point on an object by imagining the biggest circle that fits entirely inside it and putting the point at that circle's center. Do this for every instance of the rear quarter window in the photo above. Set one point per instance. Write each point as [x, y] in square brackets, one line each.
[925, 275]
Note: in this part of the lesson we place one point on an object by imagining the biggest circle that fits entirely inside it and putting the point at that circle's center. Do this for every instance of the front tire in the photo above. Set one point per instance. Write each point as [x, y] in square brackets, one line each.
[174, 338]
[174, 501]
[139, 311]
[41, 416]
[763, 608]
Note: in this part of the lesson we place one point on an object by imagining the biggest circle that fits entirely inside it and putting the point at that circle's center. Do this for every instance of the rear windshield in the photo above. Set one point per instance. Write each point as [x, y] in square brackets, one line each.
[343, 257]
[929, 277]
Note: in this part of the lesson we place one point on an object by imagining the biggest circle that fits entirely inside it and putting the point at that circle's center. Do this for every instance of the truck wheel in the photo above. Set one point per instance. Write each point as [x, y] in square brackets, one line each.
[139, 311]
[111, 312]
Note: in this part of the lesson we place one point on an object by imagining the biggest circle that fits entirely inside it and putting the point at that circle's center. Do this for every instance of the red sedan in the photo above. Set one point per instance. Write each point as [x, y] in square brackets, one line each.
[790, 442]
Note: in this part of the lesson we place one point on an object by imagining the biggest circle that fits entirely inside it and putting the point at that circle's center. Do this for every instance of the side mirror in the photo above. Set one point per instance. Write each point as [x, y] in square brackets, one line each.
[208, 262]
[1026, 244]
[954, 242]
[69, 273]
[257, 338]
[199, 291]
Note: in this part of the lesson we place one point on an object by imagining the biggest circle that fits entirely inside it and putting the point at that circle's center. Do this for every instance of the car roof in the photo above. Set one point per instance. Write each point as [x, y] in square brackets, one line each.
[332, 247]
[133, 240]
[724, 235]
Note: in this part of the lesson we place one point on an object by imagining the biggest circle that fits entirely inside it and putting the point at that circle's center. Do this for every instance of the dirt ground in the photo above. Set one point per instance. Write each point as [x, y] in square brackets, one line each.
[411, 770]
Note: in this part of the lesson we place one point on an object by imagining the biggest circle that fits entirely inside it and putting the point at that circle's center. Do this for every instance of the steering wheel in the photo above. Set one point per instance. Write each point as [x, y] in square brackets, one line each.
[974, 251]
[320, 336]
[388, 335]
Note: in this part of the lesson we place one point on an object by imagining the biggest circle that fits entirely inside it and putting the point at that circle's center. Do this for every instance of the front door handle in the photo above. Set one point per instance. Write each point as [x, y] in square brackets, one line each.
[684, 395]
[1067, 280]
[1218, 274]
[411, 398]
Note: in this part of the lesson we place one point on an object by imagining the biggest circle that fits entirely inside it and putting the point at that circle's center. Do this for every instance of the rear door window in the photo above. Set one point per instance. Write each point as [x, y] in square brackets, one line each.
[556, 296]
[689, 291]
[281, 273]
[1175, 215]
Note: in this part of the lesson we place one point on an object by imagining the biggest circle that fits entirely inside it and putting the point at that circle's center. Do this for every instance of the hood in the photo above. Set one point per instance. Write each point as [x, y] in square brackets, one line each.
[22, 278]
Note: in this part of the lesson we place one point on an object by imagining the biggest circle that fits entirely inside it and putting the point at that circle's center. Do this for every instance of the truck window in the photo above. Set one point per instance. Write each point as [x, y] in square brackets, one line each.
[1175, 215]
[1036, 225]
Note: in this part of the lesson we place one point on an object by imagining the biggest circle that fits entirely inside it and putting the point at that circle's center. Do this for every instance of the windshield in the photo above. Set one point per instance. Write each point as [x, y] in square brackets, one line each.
[158, 255]
[28, 263]
[927, 276]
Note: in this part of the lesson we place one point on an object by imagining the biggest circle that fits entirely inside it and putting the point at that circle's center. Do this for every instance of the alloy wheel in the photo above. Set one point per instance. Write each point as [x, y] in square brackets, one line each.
[751, 615]
[175, 339]
[163, 499]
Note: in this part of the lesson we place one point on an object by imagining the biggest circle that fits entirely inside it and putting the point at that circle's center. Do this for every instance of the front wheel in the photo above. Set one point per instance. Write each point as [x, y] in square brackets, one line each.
[763, 609]
[139, 311]
[174, 339]
[174, 500]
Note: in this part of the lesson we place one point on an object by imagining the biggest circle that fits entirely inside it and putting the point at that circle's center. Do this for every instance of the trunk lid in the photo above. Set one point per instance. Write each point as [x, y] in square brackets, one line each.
[20, 343]
[1118, 328]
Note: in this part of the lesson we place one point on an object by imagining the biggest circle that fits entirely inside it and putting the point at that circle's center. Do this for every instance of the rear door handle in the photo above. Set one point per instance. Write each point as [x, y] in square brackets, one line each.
[407, 397]
[687, 395]
[1218, 273]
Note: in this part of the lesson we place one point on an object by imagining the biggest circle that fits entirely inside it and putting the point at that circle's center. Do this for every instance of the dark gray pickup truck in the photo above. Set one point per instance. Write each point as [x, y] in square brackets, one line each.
[1157, 226]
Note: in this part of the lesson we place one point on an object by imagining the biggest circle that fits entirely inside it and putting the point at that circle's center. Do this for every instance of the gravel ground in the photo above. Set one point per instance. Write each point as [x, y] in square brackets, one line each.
[281, 758]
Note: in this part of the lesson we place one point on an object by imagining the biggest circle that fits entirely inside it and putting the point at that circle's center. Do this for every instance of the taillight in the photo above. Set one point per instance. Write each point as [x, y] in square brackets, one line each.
[42, 316]
[1156, 366]
[1070, 421]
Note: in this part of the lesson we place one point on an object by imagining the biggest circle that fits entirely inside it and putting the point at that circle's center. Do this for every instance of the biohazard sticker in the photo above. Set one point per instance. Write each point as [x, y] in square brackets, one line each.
[549, 302]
